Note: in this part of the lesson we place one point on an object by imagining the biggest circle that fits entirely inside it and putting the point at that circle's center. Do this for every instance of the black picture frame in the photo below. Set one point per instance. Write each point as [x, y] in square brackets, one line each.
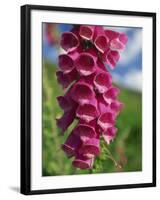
[26, 98]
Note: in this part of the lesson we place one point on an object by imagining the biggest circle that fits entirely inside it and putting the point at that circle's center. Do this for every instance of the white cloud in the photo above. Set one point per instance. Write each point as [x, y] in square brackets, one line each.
[133, 48]
[131, 80]
[119, 29]
[134, 80]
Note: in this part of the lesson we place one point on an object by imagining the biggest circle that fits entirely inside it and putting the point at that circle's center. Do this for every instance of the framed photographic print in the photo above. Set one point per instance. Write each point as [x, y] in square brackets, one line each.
[88, 99]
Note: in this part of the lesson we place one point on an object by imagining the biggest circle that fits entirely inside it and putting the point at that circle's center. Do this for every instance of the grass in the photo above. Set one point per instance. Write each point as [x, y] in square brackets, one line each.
[125, 150]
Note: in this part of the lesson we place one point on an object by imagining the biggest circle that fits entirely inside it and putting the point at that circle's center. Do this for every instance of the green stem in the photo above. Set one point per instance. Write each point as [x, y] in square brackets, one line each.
[112, 158]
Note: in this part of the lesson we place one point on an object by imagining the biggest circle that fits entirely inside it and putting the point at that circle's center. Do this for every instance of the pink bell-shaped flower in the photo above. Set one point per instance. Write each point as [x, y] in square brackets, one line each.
[100, 39]
[82, 92]
[111, 57]
[88, 111]
[111, 94]
[90, 147]
[85, 64]
[109, 134]
[66, 120]
[66, 79]
[117, 40]
[85, 131]
[71, 145]
[69, 41]
[86, 32]
[83, 162]
[102, 81]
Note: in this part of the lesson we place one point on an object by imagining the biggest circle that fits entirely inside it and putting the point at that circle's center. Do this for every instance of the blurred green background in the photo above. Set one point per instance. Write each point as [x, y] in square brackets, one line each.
[124, 154]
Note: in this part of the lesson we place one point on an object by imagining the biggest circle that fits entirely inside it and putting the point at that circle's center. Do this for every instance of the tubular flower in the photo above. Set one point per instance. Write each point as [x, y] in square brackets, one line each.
[85, 130]
[85, 64]
[91, 98]
[71, 145]
[69, 46]
[100, 39]
[86, 32]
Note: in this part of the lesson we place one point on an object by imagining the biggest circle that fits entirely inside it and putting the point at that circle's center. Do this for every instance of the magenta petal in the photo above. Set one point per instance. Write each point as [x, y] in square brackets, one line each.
[117, 40]
[103, 105]
[117, 45]
[102, 81]
[115, 55]
[110, 134]
[101, 65]
[69, 41]
[82, 162]
[71, 145]
[66, 63]
[85, 131]
[101, 43]
[93, 52]
[120, 42]
[82, 93]
[88, 79]
[91, 147]
[64, 103]
[111, 94]
[123, 38]
[100, 39]
[65, 121]
[87, 112]
[105, 55]
[66, 79]
[112, 58]
[98, 31]
[116, 106]
[111, 34]
[106, 120]
[85, 64]
[86, 32]
[62, 79]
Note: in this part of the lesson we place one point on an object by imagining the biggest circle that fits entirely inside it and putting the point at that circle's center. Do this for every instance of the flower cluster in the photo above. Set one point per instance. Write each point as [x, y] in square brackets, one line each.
[90, 95]
[51, 34]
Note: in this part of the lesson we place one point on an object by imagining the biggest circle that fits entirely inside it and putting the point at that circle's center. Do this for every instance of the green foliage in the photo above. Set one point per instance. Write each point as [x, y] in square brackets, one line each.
[123, 154]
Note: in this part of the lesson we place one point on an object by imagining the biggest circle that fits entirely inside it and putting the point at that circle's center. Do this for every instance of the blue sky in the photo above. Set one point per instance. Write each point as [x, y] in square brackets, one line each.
[128, 72]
